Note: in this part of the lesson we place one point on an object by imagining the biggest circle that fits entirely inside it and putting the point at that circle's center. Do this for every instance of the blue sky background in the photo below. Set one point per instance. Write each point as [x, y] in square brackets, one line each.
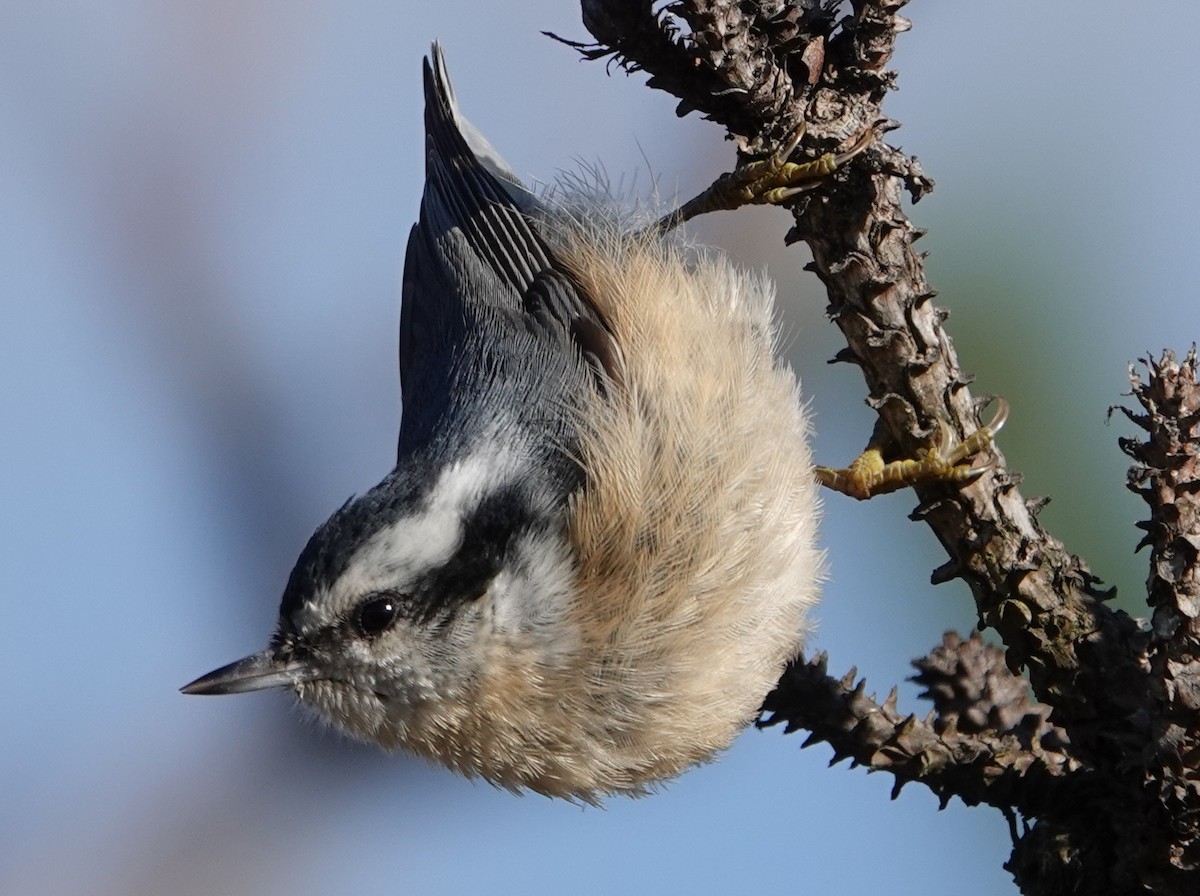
[204, 212]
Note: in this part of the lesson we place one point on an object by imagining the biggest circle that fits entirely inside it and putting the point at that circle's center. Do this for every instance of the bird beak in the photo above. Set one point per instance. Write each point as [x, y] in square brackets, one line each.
[254, 673]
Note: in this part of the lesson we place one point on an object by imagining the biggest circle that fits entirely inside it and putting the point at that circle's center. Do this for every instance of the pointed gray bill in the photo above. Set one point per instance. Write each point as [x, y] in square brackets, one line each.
[254, 673]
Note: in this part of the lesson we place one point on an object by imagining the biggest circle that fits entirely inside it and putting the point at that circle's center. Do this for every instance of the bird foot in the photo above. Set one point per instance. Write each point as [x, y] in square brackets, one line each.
[868, 475]
[768, 181]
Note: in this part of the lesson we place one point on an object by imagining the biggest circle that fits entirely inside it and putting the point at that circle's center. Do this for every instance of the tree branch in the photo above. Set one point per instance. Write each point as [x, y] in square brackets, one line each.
[1017, 764]
[1166, 473]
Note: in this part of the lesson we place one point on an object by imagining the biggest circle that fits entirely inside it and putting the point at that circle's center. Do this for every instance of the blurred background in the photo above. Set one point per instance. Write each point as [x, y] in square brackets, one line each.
[204, 212]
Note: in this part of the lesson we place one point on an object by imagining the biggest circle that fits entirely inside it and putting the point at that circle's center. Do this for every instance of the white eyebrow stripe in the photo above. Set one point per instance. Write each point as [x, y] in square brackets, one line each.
[428, 538]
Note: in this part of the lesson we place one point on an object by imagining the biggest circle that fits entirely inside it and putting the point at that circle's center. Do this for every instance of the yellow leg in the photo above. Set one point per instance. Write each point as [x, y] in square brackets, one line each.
[769, 181]
[868, 475]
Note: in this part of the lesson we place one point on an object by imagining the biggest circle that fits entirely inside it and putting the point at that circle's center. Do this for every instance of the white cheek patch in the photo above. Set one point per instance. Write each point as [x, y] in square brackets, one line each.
[531, 599]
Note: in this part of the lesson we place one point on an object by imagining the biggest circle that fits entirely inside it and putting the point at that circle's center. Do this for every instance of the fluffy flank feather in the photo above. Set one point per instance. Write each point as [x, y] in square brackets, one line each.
[706, 439]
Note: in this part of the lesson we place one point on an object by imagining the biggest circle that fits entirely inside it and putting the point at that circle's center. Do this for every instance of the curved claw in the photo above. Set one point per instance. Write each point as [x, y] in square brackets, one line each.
[865, 139]
[780, 157]
[1000, 417]
[981, 438]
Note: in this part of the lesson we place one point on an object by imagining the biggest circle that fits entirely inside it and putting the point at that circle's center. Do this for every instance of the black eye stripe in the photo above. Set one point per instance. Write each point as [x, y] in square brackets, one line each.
[488, 533]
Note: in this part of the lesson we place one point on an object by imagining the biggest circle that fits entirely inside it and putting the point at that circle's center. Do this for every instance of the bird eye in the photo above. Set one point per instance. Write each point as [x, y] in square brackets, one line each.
[375, 615]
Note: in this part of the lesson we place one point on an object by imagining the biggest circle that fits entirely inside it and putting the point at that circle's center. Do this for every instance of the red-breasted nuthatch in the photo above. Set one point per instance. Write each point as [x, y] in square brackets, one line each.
[597, 549]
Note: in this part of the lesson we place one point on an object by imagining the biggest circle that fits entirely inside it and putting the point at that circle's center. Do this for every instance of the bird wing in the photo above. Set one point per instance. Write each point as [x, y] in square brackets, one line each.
[476, 261]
